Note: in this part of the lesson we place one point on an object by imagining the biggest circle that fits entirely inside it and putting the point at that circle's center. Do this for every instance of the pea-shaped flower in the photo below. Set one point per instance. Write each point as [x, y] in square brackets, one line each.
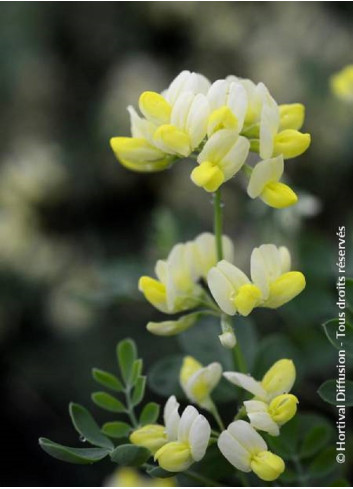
[190, 445]
[271, 416]
[198, 381]
[272, 283]
[247, 451]
[278, 380]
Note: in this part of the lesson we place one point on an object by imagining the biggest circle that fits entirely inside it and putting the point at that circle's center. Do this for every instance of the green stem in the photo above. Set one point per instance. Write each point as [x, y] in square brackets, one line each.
[243, 479]
[204, 480]
[218, 216]
[302, 478]
[217, 417]
[130, 408]
[241, 414]
[239, 360]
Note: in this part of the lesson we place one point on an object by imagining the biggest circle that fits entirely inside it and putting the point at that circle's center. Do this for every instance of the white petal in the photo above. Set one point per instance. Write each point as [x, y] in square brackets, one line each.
[228, 249]
[246, 382]
[263, 173]
[238, 102]
[221, 289]
[187, 418]
[218, 145]
[213, 374]
[268, 127]
[234, 452]
[161, 270]
[285, 259]
[236, 277]
[140, 127]
[247, 436]
[217, 94]
[235, 158]
[176, 86]
[272, 260]
[196, 122]
[199, 437]
[262, 421]
[181, 109]
[255, 406]
[171, 418]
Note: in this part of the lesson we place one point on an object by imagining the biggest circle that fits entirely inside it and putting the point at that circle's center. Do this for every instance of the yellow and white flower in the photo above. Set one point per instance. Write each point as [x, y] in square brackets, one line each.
[198, 381]
[265, 183]
[220, 159]
[176, 288]
[247, 451]
[278, 380]
[190, 444]
[272, 283]
[271, 416]
[154, 436]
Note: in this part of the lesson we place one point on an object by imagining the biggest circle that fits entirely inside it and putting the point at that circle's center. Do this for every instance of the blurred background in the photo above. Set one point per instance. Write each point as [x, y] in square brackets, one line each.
[77, 229]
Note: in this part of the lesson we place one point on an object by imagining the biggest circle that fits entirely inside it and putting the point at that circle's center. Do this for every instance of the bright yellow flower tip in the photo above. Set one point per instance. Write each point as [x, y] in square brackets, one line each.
[280, 377]
[291, 116]
[267, 465]
[170, 328]
[282, 408]
[285, 288]
[174, 456]
[207, 175]
[155, 107]
[138, 155]
[222, 118]
[278, 195]
[153, 290]
[151, 436]
[247, 297]
[290, 143]
[189, 367]
[172, 140]
[342, 84]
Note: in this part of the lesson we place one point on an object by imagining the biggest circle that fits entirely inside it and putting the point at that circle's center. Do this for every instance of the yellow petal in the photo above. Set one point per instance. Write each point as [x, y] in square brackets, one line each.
[155, 107]
[222, 118]
[247, 297]
[291, 116]
[284, 289]
[208, 176]
[172, 140]
[291, 143]
[189, 367]
[151, 436]
[138, 155]
[154, 291]
[279, 379]
[278, 195]
[282, 408]
[267, 466]
[174, 456]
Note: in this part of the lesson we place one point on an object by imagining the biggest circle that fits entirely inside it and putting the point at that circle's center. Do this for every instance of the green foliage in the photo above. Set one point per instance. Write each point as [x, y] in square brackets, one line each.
[133, 387]
[327, 392]
[130, 455]
[73, 455]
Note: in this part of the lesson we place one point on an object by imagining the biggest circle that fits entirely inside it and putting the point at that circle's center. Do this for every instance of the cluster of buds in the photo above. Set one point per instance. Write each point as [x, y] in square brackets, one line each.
[218, 124]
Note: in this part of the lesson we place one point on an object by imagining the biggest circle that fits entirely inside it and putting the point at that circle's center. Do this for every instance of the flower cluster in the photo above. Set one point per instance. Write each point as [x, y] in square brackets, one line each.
[218, 124]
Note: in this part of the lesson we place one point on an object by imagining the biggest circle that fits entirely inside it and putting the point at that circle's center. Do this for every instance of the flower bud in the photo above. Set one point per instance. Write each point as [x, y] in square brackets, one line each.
[267, 465]
[154, 291]
[170, 328]
[154, 107]
[290, 143]
[151, 436]
[174, 456]
[283, 408]
[291, 116]
[279, 378]
[278, 195]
